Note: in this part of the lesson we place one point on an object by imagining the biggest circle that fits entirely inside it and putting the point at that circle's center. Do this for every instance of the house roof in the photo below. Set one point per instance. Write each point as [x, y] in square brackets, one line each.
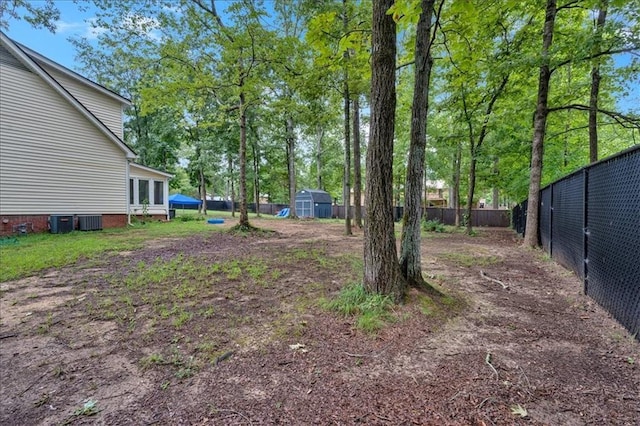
[151, 169]
[29, 62]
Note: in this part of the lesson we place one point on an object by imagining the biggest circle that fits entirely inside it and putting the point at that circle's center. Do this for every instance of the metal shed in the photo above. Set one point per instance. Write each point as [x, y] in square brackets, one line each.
[313, 203]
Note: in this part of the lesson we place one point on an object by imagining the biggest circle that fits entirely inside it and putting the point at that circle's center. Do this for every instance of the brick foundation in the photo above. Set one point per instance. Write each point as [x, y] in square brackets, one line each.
[9, 224]
[150, 218]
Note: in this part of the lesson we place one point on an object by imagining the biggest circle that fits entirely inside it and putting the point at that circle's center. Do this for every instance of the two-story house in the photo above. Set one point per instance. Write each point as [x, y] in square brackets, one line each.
[62, 150]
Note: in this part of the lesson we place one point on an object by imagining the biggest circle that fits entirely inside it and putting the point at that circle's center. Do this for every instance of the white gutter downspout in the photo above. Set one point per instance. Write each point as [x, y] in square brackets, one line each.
[128, 186]
[166, 198]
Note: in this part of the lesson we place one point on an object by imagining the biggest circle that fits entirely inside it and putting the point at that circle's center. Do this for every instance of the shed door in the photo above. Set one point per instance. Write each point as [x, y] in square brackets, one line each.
[304, 208]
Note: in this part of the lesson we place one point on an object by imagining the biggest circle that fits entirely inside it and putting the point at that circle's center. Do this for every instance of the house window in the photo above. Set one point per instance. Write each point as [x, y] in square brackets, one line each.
[143, 191]
[158, 192]
[131, 195]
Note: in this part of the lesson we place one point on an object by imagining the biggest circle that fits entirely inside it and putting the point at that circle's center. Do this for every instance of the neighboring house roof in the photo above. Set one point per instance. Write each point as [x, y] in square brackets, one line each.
[152, 170]
[28, 61]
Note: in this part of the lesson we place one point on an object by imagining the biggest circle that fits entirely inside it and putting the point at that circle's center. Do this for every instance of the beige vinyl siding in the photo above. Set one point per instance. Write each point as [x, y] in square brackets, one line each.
[106, 109]
[52, 159]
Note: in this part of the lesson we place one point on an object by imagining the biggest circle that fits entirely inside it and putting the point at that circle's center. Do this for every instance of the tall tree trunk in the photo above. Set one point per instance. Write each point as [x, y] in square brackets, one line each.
[595, 84]
[495, 196]
[256, 175]
[410, 256]
[243, 223]
[357, 167]
[472, 189]
[382, 273]
[319, 157]
[539, 124]
[231, 186]
[203, 191]
[346, 186]
[457, 166]
[291, 167]
[567, 123]
[475, 148]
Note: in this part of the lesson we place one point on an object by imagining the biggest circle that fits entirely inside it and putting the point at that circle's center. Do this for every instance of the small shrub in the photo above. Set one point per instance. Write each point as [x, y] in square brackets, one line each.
[433, 225]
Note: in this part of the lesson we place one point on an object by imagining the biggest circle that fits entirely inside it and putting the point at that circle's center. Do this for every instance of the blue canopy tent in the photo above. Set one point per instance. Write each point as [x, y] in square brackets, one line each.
[182, 201]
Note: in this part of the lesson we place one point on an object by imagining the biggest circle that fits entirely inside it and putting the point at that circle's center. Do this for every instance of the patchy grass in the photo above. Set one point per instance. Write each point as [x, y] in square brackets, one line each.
[371, 311]
[205, 304]
[37, 252]
[469, 260]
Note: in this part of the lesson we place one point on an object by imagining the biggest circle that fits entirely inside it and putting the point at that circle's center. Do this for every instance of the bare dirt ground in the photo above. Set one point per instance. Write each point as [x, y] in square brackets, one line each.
[226, 329]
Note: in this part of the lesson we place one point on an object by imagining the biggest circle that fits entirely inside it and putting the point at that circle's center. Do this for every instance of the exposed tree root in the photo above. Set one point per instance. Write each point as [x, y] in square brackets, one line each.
[249, 229]
[485, 276]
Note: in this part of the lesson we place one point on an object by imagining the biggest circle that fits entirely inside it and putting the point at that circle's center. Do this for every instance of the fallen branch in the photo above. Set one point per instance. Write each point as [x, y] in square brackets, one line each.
[487, 360]
[33, 383]
[374, 355]
[223, 357]
[6, 336]
[527, 379]
[484, 401]
[486, 277]
[234, 412]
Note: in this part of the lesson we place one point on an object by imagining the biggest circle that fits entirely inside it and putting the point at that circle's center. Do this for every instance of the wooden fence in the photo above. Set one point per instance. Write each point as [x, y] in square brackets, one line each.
[479, 217]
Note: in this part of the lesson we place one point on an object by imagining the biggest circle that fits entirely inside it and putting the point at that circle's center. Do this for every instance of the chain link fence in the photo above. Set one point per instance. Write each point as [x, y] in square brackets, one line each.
[590, 223]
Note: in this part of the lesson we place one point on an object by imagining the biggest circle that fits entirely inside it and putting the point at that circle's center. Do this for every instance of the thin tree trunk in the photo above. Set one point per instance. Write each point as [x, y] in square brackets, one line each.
[567, 124]
[357, 167]
[256, 176]
[203, 191]
[291, 167]
[539, 124]
[319, 157]
[244, 214]
[457, 166]
[476, 147]
[346, 186]
[470, 193]
[231, 188]
[595, 85]
[233, 198]
[382, 273]
[495, 196]
[410, 256]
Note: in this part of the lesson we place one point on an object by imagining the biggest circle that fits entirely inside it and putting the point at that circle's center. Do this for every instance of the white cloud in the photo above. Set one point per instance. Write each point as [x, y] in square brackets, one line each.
[93, 30]
[87, 29]
[66, 27]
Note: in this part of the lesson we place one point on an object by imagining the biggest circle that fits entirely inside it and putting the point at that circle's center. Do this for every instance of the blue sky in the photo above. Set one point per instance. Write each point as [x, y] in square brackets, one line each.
[75, 22]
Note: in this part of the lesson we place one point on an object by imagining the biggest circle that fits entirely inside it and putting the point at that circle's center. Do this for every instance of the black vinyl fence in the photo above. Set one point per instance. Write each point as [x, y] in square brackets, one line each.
[590, 223]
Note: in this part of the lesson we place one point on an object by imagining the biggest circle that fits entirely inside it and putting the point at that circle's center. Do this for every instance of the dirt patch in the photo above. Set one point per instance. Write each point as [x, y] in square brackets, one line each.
[227, 329]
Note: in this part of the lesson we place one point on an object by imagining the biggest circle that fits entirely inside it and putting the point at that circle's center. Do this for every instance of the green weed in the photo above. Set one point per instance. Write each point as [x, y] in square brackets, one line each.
[151, 360]
[89, 408]
[46, 325]
[370, 310]
[182, 318]
[433, 225]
